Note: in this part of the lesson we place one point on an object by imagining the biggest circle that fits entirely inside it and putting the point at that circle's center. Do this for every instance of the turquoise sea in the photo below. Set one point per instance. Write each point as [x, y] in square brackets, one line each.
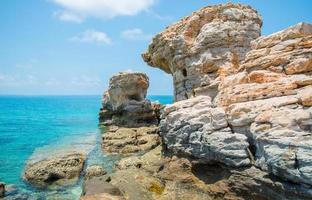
[37, 125]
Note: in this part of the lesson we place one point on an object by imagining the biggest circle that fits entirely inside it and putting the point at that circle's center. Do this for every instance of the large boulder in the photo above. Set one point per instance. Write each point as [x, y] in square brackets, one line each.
[212, 42]
[125, 103]
[59, 170]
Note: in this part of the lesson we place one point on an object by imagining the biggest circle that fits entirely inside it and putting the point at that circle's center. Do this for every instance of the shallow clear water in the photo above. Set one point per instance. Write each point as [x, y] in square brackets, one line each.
[36, 125]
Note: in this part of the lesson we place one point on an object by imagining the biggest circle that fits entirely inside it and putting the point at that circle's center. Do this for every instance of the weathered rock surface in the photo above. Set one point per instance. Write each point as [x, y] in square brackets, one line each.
[96, 185]
[212, 42]
[130, 140]
[152, 176]
[194, 128]
[257, 109]
[94, 171]
[125, 103]
[59, 169]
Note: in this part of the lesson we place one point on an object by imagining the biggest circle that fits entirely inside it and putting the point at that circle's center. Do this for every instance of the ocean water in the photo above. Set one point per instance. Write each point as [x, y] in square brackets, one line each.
[34, 126]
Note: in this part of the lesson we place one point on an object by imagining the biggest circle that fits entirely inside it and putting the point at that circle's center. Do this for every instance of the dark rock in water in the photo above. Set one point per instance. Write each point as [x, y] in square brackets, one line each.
[2, 189]
[60, 170]
[12, 192]
[125, 103]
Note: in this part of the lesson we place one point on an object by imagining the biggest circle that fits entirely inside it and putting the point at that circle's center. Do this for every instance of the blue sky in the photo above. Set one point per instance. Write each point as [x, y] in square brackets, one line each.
[70, 47]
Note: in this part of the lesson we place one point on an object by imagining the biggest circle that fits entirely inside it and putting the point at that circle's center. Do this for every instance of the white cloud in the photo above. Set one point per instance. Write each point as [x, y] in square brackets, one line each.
[135, 34]
[80, 9]
[92, 36]
[68, 16]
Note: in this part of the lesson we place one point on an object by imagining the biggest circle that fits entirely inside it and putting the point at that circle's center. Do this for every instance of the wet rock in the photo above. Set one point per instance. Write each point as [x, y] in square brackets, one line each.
[2, 189]
[59, 169]
[130, 140]
[125, 103]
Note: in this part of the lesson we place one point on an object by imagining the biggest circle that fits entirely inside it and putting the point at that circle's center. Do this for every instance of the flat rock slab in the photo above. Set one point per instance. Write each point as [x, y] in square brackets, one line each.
[60, 170]
[130, 140]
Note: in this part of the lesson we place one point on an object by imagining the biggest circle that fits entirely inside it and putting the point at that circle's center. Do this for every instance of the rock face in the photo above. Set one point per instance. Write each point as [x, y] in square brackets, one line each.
[151, 176]
[130, 140]
[60, 169]
[249, 97]
[125, 103]
[212, 42]
[194, 128]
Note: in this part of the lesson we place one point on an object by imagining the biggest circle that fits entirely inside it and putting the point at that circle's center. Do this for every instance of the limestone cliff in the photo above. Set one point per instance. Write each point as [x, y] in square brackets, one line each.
[243, 100]
[199, 48]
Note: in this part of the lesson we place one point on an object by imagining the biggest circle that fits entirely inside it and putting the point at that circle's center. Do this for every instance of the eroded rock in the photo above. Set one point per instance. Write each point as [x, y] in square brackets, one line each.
[94, 171]
[257, 108]
[59, 169]
[209, 44]
[125, 103]
[118, 140]
[194, 128]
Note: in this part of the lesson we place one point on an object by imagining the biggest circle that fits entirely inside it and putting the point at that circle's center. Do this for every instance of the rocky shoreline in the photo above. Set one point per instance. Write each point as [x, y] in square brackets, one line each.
[240, 126]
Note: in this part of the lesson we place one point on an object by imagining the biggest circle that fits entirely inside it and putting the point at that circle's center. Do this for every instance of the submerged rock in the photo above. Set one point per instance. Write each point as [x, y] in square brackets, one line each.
[2, 189]
[59, 169]
[125, 103]
[130, 140]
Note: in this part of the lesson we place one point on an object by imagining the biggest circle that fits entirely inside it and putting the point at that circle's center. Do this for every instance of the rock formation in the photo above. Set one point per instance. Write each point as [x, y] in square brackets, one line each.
[129, 119]
[60, 170]
[125, 103]
[248, 98]
[130, 140]
[94, 171]
[197, 129]
[199, 48]
[96, 185]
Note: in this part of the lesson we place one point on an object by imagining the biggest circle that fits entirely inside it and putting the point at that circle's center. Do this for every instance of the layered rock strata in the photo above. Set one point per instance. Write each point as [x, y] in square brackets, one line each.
[243, 109]
[130, 140]
[212, 42]
[125, 103]
[195, 128]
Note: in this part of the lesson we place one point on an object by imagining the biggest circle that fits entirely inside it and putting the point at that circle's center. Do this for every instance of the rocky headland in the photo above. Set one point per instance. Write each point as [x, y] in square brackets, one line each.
[241, 124]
